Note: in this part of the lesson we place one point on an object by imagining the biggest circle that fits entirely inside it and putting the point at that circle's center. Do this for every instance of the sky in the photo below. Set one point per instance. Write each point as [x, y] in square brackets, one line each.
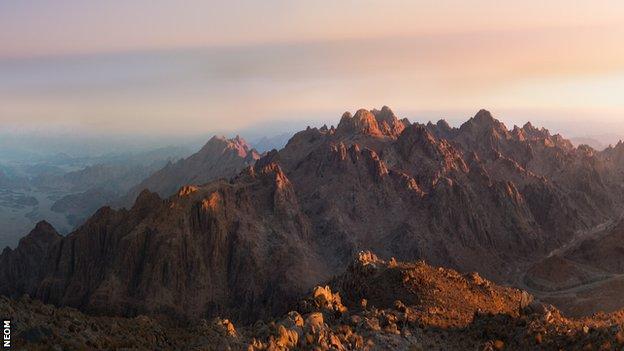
[157, 67]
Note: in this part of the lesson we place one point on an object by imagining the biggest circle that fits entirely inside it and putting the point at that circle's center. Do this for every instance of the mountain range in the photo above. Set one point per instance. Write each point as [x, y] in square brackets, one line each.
[227, 232]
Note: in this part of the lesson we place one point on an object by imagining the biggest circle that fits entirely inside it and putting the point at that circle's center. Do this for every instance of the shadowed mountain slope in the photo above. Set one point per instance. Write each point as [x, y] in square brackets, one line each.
[218, 158]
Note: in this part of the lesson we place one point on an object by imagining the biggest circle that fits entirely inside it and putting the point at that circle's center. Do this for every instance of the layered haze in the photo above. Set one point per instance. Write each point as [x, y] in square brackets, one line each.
[161, 68]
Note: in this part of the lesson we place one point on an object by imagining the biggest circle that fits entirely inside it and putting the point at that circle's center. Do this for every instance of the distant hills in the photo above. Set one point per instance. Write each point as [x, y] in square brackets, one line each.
[218, 158]
[66, 190]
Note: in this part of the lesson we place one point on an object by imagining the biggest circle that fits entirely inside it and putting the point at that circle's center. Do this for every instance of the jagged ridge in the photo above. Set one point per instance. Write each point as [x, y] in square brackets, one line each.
[475, 198]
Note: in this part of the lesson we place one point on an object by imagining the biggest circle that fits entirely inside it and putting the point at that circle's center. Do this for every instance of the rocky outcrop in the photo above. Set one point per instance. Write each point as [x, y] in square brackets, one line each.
[376, 123]
[375, 305]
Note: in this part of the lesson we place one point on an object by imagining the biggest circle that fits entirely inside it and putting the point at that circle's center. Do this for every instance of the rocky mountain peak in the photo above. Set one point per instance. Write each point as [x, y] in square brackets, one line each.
[442, 129]
[528, 126]
[482, 131]
[417, 133]
[221, 144]
[363, 122]
[388, 122]
[147, 199]
[614, 154]
[484, 121]
[532, 132]
[272, 157]
[562, 142]
[21, 266]
[429, 155]
[385, 115]
[518, 133]
[377, 123]
[619, 147]
[219, 157]
[491, 139]
[484, 116]
[42, 236]
[43, 231]
[443, 124]
[214, 141]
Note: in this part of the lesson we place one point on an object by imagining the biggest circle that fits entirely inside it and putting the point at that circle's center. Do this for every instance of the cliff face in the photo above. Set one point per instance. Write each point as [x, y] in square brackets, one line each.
[241, 249]
[475, 198]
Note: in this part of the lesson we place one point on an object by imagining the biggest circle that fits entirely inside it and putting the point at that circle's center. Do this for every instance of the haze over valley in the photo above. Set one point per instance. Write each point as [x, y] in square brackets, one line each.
[303, 175]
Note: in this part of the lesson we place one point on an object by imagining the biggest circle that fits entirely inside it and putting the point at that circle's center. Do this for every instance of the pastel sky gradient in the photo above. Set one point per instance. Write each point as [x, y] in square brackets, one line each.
[188, 67]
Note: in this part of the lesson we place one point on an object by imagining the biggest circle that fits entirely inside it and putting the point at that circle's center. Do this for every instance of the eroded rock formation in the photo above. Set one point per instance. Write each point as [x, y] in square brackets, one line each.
[475, 198]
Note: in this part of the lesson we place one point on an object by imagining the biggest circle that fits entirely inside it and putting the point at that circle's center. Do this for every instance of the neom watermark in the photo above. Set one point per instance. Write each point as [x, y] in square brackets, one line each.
[6, 334]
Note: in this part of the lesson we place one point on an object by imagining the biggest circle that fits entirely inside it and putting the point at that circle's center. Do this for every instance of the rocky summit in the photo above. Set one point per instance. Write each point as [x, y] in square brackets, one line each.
[226, 233]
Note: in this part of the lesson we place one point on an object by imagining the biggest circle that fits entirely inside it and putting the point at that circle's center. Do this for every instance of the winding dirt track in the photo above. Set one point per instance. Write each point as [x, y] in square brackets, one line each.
[583, 235]
[605, 286]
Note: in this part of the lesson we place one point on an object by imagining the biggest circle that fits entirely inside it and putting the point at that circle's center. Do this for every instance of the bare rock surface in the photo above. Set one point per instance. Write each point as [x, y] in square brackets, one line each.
[374, 305]
[245, 246]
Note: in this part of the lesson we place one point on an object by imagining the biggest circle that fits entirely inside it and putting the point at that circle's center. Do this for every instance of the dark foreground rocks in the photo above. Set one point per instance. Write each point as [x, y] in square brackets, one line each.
[374, 305]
